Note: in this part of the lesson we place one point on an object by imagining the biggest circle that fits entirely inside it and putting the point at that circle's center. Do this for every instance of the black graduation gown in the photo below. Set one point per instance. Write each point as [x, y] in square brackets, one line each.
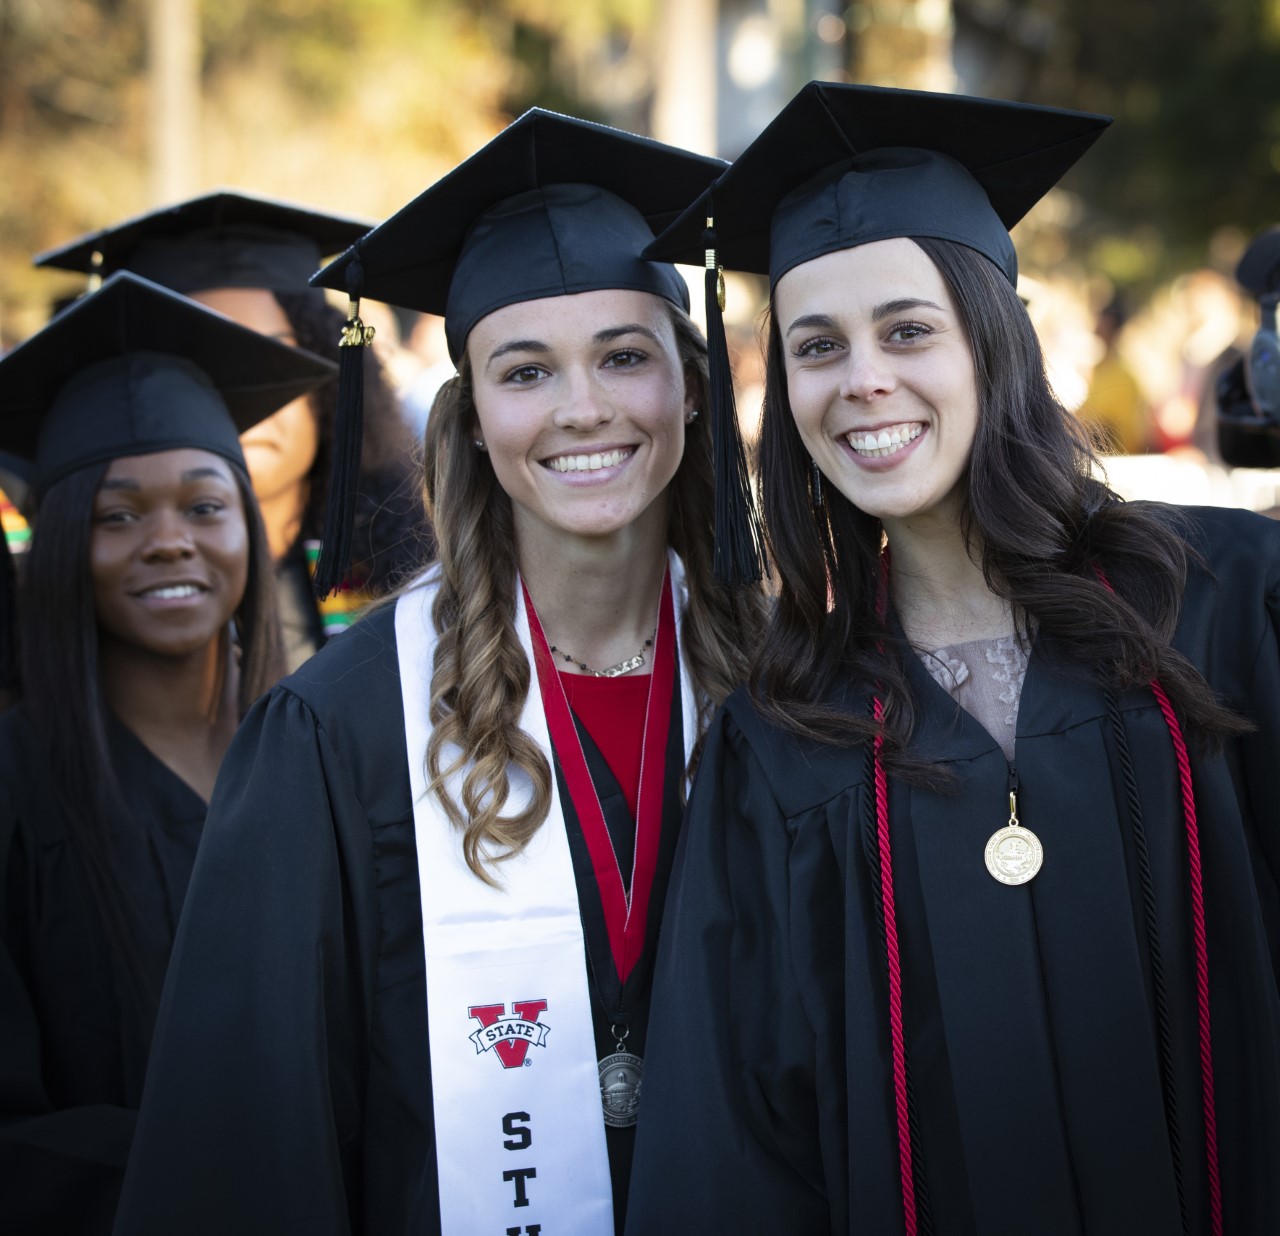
[1030, 1032]
[290, 1083]
[73, 1041]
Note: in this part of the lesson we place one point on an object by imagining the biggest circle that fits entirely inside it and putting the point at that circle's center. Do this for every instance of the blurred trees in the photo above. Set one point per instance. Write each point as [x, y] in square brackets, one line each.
[358, 107]
[1195, 89]
[354, 107]
[905, 43]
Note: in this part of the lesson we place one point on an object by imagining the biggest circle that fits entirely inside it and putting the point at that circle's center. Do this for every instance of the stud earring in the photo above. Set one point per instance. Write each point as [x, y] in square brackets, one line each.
[691, 416]
[480, 446]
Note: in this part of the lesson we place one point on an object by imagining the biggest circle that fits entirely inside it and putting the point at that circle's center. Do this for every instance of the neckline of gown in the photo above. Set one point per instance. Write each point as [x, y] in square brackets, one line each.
[119, 732]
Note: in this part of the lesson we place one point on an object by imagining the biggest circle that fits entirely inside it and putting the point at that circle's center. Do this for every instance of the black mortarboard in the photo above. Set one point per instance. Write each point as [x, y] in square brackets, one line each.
[842, 165]
[552, 206]
[135, 368]
[222, 239]
[1257, 375]
[1259, 269]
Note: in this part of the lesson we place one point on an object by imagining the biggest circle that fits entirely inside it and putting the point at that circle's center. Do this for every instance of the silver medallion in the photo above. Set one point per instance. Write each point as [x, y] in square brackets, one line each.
[620, 1076]
[1014, 854]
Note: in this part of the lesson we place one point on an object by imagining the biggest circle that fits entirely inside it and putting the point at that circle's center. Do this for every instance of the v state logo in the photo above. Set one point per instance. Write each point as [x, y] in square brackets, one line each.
[510, 1035]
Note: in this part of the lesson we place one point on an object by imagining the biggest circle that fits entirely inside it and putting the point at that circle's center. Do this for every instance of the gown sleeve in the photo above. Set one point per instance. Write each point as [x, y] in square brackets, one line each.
[251, 1114]
[1260, 751]
[60, 1168]
[728, 1129]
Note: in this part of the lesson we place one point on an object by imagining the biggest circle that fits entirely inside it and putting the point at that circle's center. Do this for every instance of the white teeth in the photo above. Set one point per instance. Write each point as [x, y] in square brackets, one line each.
[888, 441]
[588, 463]
[172, 594]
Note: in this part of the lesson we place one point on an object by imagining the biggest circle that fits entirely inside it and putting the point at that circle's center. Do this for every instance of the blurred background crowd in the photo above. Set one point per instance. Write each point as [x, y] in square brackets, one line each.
[111, 107]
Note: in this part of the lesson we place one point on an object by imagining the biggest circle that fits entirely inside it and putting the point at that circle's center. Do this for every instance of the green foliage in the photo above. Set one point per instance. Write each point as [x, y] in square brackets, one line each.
[356, 107]
[359, 106]
[1193, 87]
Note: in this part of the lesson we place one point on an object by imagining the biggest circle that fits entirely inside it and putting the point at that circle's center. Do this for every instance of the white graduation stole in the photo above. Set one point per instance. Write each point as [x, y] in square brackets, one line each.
[520, 1142]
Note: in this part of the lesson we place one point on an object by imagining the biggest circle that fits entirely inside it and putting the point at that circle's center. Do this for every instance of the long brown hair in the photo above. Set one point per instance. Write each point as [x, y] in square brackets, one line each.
[481, 676]
[65, 702]
[1036, 519]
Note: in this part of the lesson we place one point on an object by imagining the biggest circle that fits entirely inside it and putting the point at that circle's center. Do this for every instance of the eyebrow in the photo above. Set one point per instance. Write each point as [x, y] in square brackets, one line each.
[824, 321]
[616, 332]
[601, 336]
[517, 345]
[898, 306]
[192, 474]
[199, 474]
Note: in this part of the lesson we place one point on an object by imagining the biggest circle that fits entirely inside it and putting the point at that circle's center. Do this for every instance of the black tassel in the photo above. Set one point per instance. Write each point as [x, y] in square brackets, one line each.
[739, 543]
[348, 438]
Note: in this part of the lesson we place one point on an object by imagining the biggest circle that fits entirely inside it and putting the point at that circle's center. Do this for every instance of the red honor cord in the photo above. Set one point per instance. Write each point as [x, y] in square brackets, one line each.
[626, 913]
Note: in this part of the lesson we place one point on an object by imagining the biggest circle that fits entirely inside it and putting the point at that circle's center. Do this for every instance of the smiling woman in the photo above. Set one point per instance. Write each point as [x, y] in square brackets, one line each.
[451, 937]
[882, 390]
[583, 424]
[250, 257]
[979, 892]
[169, 556]
[148, 625]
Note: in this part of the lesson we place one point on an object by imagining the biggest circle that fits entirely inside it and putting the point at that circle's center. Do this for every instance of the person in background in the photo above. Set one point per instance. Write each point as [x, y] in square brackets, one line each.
[1115, 409]
[976, 922]
[250, 258]
[1241, 405]
[433, 878]
[148, 627]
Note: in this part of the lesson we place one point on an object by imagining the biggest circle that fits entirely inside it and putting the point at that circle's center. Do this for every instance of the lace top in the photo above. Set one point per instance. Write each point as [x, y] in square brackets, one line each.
[984, 676]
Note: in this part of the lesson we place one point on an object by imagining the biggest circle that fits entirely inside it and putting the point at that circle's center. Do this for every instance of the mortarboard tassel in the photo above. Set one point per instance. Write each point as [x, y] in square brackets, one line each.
[348, 438]
[739, 544]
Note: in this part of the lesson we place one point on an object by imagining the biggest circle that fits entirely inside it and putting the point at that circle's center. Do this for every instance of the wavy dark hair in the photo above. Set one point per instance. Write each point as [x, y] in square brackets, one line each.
[481, 676]
[1035, 518]
[63, 695]
[390, 539]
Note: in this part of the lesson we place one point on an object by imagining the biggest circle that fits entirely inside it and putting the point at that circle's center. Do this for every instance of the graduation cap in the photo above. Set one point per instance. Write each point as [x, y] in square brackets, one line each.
[845, 165]
[1259, 268]
[552, 206]
[135, 368]
[222, 239]
[1259, 370]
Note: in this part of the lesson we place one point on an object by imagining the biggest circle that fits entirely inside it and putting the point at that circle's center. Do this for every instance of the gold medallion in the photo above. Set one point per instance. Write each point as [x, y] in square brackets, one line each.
[1014, 854]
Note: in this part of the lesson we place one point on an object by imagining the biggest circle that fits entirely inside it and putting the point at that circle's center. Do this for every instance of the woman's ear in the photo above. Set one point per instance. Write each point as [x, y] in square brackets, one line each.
[695, 393]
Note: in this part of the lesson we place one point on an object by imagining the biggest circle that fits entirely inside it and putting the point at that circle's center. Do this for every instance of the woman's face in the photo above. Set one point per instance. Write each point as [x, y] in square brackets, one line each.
[880, 377]
[582, 408]
[280, 451]
[168, 552]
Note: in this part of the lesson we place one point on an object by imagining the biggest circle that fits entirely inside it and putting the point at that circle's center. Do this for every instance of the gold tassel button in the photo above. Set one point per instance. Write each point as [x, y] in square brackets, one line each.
[712, 264]
[355, 334]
